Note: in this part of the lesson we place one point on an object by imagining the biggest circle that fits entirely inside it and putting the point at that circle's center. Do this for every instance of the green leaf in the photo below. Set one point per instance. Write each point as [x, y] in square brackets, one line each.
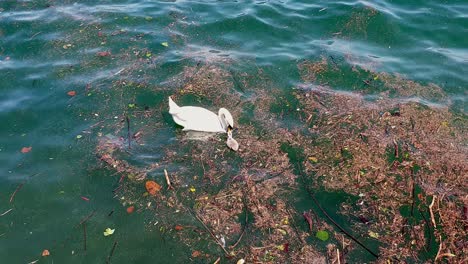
[322, 235]
[165, 44]
[131, 105]
[79, 136]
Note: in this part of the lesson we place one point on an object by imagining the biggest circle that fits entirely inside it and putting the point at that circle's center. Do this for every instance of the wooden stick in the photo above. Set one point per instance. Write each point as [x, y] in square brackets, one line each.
[395, 144]
[338, 255]
[238, 240]
[35, 35]
[6, 212]
[111, 253]
[87, 218]
[434, 197]
[17, 189]
[168, 181]
[440, 248]
[21, 186]
[448, 255]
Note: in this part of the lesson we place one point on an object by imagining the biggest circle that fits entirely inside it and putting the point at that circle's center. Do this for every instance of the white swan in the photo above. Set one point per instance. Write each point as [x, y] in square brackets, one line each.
[200, 119]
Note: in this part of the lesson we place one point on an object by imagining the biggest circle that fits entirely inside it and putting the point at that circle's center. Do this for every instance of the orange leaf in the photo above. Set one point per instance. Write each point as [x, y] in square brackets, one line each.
[71, 93]
[130, 209]
[26, 149]
[152, 187]
[196, 253]
[45, 253]
[179, 227]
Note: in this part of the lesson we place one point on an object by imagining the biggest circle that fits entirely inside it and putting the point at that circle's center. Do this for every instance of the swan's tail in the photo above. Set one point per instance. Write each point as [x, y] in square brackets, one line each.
[173, 107]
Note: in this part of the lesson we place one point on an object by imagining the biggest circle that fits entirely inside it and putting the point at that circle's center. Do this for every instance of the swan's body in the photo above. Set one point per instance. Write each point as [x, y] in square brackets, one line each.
[200, 119]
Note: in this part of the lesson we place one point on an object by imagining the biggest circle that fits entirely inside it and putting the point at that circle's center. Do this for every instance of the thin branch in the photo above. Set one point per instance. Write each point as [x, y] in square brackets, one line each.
[434, 197]
[440, 249]
[168, 181]
[21, 186]
[111, 253]
[329, 217]
[246, 221]
[209, 231]
[84, 235]
[6, 212]
[17, 189]
[87, 218]
[129, 138]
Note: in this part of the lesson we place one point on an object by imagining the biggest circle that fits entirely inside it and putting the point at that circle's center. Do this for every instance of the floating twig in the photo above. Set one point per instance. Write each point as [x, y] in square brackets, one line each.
[429, 239]
[440, 248]
[396, 148]
[128, 131]
[17, 189]
[338, 255]
[333, 61]
[21, 186]
[246, 221]
[308, 218]
[6, 212]
[35, 35]
[84, 235]
[111, 253]
[87, 218]
[434, 197]
[209, 231]
[168, 181]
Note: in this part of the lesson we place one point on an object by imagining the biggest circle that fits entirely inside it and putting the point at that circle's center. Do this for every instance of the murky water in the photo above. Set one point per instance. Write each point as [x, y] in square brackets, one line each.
[72, 71]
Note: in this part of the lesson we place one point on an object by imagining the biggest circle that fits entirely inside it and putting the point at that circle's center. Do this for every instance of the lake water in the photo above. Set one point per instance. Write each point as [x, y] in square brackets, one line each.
[72, 71]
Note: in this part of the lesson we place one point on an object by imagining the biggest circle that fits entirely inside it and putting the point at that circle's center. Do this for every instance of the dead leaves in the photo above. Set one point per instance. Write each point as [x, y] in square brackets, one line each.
[196, 254]
[152, 187]
[130, 209]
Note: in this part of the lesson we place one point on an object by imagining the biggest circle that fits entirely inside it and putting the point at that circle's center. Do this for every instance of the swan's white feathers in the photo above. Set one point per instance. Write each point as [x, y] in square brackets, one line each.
[198, 118]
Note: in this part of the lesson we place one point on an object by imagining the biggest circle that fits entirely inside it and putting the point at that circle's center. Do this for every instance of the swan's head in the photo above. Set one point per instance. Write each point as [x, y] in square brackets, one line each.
[226, 119]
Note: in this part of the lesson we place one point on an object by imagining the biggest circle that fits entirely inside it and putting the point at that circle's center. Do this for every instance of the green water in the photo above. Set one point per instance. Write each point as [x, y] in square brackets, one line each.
[48, 48]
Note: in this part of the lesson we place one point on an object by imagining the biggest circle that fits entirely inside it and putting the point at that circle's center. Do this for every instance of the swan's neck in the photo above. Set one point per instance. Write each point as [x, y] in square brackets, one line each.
[223, 122]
